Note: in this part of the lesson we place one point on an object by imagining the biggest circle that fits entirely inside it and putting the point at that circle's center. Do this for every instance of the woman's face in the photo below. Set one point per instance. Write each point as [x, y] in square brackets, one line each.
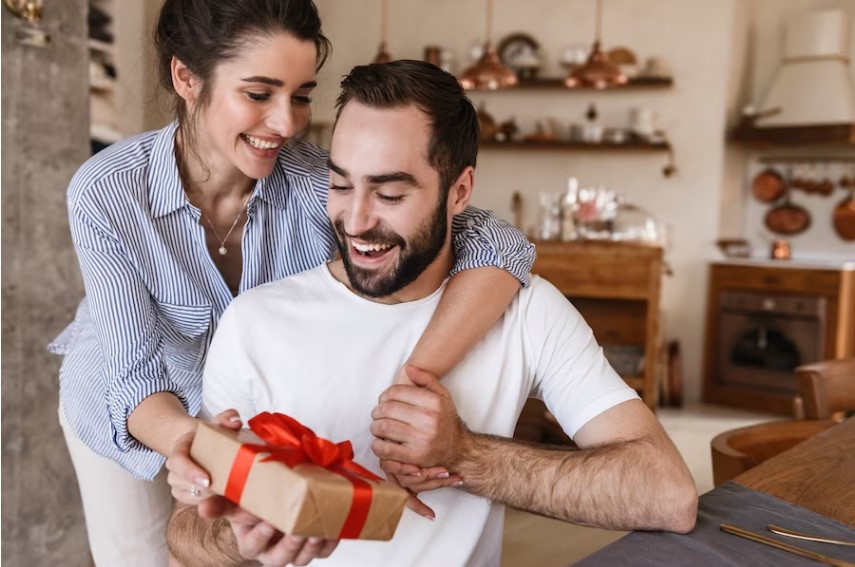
[259, 99]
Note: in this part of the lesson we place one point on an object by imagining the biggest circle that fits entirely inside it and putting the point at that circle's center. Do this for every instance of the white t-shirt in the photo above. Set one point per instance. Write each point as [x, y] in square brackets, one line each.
[308, 347]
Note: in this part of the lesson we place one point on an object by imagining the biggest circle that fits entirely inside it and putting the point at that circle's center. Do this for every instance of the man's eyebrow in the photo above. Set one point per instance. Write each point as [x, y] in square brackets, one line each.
[380, 178]
[276, 82]
[337, 169]
[393, 177]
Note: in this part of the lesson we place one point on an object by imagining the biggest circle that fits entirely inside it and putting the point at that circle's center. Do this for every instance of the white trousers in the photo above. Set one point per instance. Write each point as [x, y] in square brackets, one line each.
[125, 517]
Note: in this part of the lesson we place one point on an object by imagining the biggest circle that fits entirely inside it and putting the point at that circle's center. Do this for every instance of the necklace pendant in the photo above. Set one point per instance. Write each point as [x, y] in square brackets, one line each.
[222, 250]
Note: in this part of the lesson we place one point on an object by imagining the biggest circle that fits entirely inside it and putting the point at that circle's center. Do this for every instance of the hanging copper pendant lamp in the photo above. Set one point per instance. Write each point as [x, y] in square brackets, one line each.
[489, 73]
[383, 55]
[597, 72]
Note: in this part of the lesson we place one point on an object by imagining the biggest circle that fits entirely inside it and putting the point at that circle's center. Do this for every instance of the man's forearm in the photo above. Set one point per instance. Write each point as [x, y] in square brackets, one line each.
[198, 542]
[627, 485]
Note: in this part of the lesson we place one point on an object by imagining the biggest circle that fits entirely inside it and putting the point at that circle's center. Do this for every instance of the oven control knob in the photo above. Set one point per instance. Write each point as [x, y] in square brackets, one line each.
[768, 304]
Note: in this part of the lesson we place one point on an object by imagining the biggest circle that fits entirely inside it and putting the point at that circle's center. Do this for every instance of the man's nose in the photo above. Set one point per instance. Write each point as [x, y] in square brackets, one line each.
[360, 218]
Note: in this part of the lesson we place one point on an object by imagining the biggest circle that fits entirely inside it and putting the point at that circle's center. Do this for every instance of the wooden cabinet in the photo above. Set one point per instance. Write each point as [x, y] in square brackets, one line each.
[808, 310]
[616, 287]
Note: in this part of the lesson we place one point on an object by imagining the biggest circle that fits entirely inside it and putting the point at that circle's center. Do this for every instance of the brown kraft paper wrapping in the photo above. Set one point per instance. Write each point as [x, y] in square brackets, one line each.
[306, 500]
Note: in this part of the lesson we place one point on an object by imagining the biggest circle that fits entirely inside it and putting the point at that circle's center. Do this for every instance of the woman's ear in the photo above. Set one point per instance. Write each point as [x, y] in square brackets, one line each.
[185, 83]
[461, 191]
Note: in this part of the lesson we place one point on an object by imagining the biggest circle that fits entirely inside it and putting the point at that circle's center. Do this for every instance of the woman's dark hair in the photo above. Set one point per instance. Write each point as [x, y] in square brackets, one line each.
[453, 144]
[204, 33]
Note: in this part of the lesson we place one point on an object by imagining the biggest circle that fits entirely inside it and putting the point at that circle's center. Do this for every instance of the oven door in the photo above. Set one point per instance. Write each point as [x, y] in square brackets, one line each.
[763, 339]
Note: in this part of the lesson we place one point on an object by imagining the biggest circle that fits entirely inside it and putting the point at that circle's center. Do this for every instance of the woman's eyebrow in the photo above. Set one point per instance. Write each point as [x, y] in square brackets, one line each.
[276, 82]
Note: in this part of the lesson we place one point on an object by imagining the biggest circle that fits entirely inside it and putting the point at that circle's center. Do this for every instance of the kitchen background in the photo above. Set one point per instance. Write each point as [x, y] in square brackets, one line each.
[721, 54]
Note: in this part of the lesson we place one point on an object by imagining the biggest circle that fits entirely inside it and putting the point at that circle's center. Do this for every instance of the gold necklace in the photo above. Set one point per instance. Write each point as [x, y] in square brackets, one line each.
[222, 249]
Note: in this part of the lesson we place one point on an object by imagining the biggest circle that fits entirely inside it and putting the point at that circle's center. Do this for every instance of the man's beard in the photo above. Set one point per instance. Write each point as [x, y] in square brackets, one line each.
[413, 257]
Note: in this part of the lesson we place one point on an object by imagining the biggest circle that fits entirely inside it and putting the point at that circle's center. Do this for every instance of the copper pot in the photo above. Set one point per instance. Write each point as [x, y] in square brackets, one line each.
[787, 218]
[843, 217]
[768, 186]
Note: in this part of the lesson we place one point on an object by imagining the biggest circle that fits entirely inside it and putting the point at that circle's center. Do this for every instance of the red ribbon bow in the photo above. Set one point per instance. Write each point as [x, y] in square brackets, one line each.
[292, 443]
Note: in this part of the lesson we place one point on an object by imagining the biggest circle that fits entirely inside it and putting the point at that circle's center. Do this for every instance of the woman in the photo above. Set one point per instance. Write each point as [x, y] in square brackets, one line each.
[170, 225]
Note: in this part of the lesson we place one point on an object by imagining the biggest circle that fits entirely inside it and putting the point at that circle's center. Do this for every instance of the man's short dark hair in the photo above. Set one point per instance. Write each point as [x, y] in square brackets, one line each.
[453, 144]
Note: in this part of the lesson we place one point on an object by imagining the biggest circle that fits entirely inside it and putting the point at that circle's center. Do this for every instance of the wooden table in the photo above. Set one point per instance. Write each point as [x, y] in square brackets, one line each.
[815, 477]
[817, 474]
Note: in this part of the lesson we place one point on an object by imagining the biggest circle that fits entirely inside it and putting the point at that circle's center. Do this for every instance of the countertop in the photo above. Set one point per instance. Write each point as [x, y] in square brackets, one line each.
[796, 263]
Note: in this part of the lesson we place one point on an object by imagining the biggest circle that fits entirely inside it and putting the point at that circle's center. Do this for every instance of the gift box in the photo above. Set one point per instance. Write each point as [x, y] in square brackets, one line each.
[302, 484]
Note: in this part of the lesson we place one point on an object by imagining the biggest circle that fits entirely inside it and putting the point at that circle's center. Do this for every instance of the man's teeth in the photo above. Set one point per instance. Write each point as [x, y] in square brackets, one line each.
[371, 247]
[259, 143]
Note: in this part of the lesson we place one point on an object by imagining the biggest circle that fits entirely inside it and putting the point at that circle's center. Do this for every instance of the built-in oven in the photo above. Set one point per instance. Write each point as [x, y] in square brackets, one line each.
[764, 336]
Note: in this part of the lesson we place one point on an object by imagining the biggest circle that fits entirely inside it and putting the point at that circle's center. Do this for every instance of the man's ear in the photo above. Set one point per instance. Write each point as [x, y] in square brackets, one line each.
[461, 191]
[185, 83]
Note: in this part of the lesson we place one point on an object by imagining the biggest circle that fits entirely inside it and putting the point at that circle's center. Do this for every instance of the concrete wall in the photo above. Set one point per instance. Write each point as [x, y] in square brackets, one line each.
[45, 138]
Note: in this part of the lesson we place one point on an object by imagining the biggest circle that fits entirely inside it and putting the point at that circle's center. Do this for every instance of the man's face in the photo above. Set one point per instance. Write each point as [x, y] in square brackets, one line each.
[384, 199]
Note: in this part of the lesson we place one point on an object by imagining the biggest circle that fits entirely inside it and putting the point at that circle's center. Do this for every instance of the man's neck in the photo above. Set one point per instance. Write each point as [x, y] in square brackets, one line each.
[424, 285]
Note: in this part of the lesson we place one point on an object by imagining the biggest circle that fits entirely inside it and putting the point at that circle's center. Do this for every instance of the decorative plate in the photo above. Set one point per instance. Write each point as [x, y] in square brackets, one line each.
[519, 51]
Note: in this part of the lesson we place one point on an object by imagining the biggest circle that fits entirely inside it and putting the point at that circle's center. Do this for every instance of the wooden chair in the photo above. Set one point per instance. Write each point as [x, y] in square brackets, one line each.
[826, 393]
[737, 450]
[826, 389]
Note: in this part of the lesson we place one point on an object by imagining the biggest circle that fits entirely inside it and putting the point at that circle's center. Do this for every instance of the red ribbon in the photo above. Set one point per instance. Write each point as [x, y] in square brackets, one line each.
[292, 443]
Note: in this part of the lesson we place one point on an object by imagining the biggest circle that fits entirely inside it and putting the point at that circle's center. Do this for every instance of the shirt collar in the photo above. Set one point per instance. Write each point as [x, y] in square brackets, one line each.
[165, 191]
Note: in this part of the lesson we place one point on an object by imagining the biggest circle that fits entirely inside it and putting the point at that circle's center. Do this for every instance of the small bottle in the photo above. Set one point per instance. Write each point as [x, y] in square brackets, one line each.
[568, 220]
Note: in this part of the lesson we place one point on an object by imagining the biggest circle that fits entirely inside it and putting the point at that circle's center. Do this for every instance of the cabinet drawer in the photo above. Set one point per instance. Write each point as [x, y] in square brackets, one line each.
[600, 270]
[818, 282]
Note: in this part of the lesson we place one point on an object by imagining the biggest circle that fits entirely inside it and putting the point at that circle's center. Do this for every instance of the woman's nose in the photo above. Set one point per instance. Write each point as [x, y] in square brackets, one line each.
[282, 121]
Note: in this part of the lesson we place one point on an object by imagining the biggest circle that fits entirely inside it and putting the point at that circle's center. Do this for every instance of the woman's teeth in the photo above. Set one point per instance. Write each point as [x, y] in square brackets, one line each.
[260, 144]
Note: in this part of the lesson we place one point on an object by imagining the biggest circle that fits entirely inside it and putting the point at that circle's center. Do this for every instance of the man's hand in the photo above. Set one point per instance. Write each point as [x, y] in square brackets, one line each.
[259, 541]
[189, 481]
[417, 424]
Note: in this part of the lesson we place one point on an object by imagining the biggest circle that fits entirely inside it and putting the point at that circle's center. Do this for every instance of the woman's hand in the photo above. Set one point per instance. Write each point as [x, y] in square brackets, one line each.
[188, 480]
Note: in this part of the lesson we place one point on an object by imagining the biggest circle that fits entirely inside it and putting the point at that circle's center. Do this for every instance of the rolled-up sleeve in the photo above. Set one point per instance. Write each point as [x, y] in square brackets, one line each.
[126, 324]
[482, 239]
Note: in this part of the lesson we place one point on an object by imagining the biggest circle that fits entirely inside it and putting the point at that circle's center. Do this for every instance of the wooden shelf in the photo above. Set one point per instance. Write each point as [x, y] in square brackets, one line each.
[104, 133]
[103, 85]
[101, 46]
[557, 83]
[578, 146]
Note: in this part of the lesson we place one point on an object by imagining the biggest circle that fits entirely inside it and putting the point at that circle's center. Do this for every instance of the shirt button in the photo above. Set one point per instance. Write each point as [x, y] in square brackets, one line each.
[470, 223]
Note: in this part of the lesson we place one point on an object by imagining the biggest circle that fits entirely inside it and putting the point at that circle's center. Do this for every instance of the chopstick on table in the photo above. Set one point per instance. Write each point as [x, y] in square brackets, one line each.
[800, 535]
[731, 529]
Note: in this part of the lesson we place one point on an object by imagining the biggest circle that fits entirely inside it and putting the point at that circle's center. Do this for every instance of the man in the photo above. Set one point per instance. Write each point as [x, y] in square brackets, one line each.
[401, 162]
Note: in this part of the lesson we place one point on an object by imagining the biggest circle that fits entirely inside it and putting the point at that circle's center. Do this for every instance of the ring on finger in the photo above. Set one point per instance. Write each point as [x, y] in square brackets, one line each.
[195, 491]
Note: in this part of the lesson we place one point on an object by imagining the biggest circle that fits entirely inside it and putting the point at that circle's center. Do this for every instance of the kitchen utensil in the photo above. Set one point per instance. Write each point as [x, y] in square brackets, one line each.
[734, 247]
[737, 531]
[799, 535]
[517, 209]
[768, 186]
[787, 218]
[843, 217]
[780, 250]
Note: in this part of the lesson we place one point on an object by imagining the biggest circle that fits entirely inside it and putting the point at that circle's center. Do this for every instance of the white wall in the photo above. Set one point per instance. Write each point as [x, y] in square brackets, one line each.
[694, 38]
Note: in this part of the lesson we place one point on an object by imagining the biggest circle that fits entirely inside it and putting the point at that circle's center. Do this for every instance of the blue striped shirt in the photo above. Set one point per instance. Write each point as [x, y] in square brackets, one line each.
[154, 295]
